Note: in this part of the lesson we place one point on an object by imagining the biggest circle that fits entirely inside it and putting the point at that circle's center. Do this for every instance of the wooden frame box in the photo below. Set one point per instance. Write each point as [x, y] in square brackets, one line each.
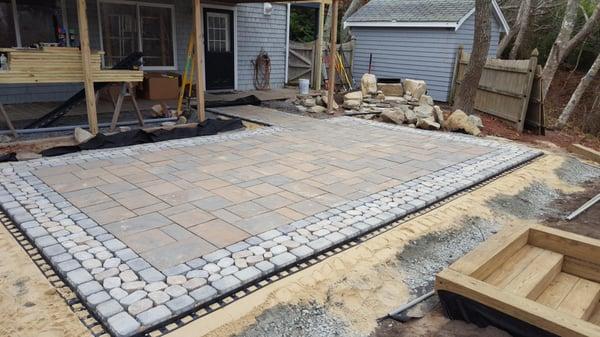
[539, 275]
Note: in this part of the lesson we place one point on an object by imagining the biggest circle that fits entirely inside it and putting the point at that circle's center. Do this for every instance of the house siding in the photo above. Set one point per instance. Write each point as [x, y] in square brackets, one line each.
[419, 53]
[254, 31]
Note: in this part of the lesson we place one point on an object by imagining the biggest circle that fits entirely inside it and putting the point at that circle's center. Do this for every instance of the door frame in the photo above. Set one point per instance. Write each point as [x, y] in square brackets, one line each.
[234, 40]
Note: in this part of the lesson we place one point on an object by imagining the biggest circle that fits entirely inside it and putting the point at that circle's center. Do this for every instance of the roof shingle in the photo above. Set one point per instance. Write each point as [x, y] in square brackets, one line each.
[413, 11]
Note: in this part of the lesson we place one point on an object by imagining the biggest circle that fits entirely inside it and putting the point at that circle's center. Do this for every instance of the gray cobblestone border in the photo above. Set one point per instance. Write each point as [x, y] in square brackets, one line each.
[129, 295]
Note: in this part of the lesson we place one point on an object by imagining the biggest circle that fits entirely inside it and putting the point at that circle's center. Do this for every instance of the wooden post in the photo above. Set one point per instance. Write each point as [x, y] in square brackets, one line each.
[459, 54]
[318, 67]
[86, 57]
[199, 59]
[332, 55]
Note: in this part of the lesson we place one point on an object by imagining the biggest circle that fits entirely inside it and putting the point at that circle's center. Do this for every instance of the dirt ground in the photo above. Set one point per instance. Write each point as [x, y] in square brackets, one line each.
[29, 305]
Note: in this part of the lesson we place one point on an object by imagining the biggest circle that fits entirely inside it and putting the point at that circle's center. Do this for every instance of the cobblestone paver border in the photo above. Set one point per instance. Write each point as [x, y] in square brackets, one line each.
[129, 295]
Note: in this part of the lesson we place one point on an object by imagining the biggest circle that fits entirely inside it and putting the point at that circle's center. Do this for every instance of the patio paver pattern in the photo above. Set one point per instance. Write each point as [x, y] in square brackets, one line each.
[148, 232]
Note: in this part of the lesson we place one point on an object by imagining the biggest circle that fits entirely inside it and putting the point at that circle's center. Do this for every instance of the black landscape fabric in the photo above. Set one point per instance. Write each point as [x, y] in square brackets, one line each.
[135, 137]
[465, 309]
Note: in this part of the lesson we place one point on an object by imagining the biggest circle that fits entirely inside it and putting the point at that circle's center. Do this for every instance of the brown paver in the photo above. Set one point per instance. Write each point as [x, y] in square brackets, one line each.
[177, 204]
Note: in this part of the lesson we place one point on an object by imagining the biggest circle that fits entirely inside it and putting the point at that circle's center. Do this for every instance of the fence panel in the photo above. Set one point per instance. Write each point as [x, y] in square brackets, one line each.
[301, 60]
[505, 88]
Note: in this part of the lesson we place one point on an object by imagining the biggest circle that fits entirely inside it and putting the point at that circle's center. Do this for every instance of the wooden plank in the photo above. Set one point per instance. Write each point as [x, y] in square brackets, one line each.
[199, 59]
[527, 90]
[580, 268]
[319, 49]
[585, 152]
[514, 305]
[514, 266]
[536, 277]
[332, 55]
[568, 244]
[487, 257]
[595, 316]
[557, 290]
[88, 82]
[582, 299]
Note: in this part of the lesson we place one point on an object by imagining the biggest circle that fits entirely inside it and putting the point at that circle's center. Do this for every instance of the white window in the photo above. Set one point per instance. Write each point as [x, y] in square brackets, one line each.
[127, 27]
[217, 32]
[27, 22]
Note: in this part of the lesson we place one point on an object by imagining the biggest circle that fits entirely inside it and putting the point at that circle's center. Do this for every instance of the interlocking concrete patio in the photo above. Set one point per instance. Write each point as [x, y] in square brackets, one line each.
[176, 205]
[148, 232]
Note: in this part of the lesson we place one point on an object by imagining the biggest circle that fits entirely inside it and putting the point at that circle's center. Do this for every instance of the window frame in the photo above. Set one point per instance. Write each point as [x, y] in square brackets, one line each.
[16, 21]
[137, 5]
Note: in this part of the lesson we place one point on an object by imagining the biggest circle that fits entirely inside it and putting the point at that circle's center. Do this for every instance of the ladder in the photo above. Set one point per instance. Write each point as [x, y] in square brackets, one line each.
[187, 81]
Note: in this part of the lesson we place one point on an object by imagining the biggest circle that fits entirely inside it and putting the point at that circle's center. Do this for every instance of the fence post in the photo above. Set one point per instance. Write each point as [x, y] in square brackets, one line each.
[459, 54]
[533, 60]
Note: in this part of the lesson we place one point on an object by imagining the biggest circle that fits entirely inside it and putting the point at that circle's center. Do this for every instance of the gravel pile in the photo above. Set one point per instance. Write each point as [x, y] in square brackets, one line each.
[425, 257]
[574, 171]
[531, 203]
[297, 321]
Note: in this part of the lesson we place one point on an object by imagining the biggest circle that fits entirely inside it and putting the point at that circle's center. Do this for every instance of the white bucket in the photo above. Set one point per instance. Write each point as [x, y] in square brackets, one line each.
[304, 86]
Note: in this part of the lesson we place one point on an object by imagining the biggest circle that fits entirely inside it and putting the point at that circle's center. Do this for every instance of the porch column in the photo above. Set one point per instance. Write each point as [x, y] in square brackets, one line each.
[199, 59]
[319, 46]
[86, 58]
[332, 54]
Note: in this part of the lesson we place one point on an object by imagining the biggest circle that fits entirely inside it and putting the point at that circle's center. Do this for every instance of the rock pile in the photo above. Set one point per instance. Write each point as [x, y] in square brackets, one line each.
[406, 103]
[313, 104]
[400, 103]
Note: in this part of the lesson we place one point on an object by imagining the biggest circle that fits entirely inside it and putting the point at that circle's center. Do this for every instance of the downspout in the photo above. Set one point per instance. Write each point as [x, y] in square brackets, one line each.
[287, 43]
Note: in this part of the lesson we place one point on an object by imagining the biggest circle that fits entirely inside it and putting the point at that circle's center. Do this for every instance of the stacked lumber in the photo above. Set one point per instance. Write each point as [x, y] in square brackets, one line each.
[542, 276]
[58, 65]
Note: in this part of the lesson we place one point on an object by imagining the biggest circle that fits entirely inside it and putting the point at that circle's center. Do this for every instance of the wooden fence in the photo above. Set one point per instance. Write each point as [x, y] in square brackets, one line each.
[302, 61]
[509, 89]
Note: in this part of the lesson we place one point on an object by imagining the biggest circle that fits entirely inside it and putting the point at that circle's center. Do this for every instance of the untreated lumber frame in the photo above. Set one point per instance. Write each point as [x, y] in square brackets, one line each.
[86, 57]
[580, 256]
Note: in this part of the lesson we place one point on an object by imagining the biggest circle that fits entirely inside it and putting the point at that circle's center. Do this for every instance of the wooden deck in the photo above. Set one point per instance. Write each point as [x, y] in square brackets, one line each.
[545, 277]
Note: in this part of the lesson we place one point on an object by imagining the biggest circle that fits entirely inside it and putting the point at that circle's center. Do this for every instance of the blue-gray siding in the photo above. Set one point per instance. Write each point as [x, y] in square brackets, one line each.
[254, 31]
[419, 53]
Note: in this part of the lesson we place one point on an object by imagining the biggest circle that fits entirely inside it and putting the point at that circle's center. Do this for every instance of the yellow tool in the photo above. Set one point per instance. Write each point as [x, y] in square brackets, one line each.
[342, 70]
[188, 75]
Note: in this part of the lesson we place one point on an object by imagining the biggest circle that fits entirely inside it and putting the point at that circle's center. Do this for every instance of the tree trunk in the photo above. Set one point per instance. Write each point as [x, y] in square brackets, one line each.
[465, 98]
[507, 39]
[565, 43]
[327, 29]
[524, 15]
[352, 8]
[578, 93]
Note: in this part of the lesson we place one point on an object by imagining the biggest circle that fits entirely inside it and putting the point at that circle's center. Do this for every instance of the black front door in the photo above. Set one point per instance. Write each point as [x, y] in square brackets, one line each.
[218, 49]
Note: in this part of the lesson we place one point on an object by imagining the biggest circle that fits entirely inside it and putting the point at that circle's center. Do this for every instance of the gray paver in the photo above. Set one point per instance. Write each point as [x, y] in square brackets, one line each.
[226, 284]
[79, 276]
[180, 304]
[265, 267]
[154, 315]
[302, 252]
[151, 275]
[88, 288]
[248, 274]
[204, 294]
[108, 309]
[123, 325]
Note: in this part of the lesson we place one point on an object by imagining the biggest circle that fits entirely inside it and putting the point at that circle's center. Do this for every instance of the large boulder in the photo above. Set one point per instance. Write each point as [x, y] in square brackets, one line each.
[411, 117]
[353, 96]
[309, 102]
[438, 113]
[393, 116]
[427, 124]
[81, 135]
[424, 111]
[476, 120]
[416, 88]
[317, 109]
[459, 121]
[352, 104]
[425, 99]
[391, 89]
[368, 85]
